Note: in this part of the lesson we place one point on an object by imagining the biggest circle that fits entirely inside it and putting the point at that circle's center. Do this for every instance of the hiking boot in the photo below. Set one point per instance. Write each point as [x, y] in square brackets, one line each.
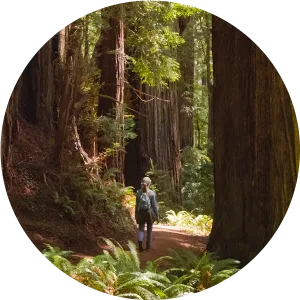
[148, 247]
[141, 246]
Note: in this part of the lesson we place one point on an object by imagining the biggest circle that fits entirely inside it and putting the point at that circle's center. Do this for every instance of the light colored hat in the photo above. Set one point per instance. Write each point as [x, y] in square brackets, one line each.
[147, 180]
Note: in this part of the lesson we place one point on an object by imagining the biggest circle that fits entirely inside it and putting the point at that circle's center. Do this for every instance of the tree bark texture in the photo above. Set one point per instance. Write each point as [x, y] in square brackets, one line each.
[159, 133]
[10, 131]
[185, 86]
[37, 94]
[33, 99]
[106, 60]
[256, 146]
[119, 159]
[110, 55]
[209, 84]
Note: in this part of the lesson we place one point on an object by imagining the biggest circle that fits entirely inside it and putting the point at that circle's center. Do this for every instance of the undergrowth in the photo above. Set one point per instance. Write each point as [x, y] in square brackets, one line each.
[200, 224]
[118, 272]
[195, 190]
[74, 197]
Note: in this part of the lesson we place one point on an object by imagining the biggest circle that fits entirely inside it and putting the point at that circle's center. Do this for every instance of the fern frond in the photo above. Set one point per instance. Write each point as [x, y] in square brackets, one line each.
[145, 293]
[130, 296]
[134, 254]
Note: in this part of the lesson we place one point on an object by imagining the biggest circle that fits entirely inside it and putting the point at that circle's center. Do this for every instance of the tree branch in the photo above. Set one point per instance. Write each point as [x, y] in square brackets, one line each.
[115, 100]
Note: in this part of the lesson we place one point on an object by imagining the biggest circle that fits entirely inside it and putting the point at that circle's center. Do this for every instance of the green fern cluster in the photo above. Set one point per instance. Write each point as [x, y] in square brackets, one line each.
[118, 272]
[201, 270]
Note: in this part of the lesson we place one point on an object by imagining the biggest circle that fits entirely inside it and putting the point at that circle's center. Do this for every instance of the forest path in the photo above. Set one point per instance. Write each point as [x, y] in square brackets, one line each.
[165, 238]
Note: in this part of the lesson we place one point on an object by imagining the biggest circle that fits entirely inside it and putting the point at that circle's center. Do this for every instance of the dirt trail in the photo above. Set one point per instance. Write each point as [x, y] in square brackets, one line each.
[165, 238]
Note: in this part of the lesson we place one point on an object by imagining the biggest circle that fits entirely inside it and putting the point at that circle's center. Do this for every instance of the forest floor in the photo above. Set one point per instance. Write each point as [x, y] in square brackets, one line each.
[164, 239]
[86, 243]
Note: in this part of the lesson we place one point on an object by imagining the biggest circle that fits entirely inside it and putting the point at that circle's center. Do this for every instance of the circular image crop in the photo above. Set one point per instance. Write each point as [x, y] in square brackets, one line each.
[150, 150]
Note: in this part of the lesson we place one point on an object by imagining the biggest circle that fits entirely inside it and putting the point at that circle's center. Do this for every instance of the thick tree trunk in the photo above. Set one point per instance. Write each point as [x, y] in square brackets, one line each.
[69, 88]
[110, 56]
[106, 63]
[33, 99]
[10, 132]
[255, 143]
[159, 134]
[38, 90]
[132, 169]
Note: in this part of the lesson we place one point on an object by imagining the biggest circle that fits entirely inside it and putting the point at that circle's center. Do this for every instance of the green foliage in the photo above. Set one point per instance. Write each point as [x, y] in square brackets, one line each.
[65, 203]
[118, 272]
[153, 43]
[163, 187]
[95, 21]
[197, 181]
[200, 224]
[197, 186]
[85, 197]
[202, 270]
[58, 258]
[109, 130]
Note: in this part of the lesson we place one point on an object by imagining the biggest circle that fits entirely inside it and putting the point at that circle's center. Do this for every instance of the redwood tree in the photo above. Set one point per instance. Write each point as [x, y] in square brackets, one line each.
[256, 145]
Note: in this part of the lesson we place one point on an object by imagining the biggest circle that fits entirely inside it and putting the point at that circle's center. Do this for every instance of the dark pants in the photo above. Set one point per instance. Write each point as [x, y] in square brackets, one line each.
[145, 218]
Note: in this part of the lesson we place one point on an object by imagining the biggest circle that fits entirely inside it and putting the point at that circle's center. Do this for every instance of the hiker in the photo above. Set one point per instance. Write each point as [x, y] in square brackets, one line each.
[146, 211]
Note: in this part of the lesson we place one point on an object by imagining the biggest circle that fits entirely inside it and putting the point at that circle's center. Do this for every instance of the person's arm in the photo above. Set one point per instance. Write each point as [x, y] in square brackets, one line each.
[155, 206]
[136, 204]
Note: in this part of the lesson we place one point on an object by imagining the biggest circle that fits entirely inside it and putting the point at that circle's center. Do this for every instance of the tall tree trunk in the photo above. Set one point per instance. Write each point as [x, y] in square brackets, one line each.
[120, 79]
[65, 105]
[132, 169]
[111, 60]
[33, 99]
[185, 86]
[68, 89]
[86, 36]
[106, 63]
[159, 133]
[10, 131]
[207, 18]
[255, 142]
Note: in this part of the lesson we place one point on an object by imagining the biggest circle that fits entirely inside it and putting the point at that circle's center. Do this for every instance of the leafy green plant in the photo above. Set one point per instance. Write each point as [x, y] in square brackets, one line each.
[200, 224]
[197, 181]
[58, 258]
[163, 187]
[202, 270]
[118, 272]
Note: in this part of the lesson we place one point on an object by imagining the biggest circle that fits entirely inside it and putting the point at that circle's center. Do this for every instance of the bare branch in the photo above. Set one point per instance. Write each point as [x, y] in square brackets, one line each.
[138, 91]
[153, 97]
[115, 100]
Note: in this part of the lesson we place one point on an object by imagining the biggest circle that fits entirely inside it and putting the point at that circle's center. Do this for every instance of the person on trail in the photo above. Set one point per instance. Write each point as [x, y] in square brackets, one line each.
[146, 211]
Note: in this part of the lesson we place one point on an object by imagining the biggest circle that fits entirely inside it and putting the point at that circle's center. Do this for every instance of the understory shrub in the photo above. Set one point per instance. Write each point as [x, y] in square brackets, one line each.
[118, 272]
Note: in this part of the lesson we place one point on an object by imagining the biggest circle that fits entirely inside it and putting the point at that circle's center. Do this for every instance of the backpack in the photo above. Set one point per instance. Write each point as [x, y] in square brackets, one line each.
[144, 203]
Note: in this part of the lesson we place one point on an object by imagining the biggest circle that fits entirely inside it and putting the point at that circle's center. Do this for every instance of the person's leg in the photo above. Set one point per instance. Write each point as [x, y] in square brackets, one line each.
[149, 234]
[141, 235]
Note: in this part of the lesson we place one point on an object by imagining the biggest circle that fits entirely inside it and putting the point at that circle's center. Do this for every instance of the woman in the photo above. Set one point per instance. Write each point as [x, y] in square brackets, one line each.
[146, 211]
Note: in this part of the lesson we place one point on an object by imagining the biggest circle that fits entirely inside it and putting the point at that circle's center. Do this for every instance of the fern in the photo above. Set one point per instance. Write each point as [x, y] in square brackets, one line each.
[118, 272]
[58, 258]
[130, 296]
[177, 290]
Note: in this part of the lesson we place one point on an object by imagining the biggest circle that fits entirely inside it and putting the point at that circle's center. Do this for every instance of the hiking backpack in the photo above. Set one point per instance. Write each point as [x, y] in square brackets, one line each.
[144, 202]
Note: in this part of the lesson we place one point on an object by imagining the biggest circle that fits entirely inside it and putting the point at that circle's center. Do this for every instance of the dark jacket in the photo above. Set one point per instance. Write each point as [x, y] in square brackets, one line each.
[153, 211]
